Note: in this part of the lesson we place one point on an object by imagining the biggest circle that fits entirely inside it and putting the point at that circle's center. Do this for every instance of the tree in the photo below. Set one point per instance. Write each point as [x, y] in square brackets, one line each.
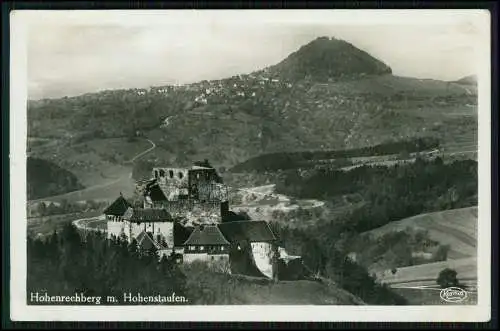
[447, 278]
[52, 209]
[442, 253]
[132, 247]
[42, 208]
[64, 207]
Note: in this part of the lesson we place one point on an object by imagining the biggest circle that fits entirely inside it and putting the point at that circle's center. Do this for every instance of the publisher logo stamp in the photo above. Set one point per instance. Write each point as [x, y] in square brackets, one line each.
[453, 294]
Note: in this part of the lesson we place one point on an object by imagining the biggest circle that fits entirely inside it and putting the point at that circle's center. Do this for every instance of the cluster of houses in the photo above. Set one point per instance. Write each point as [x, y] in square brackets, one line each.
[239, 87]
[185, 214]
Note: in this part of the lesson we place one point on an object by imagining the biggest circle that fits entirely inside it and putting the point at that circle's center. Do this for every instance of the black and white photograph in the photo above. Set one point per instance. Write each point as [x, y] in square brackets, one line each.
[304, 163]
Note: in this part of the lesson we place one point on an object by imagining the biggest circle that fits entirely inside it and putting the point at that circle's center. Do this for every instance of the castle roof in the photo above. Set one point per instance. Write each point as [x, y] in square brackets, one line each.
[139, 215]
[181, 234]
[156, 193]
[251, 231]
[145, 241]
[118, 207]
[206, 235]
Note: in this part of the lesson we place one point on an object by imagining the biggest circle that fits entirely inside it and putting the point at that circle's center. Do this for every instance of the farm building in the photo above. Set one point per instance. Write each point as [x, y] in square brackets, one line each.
[206, 243]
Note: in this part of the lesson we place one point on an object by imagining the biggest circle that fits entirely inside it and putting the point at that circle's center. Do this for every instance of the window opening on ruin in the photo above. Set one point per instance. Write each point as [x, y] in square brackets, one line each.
[162, 173]
[156, 173]
[197, 176]
[212, 258]
[171, 173]
[181, 175]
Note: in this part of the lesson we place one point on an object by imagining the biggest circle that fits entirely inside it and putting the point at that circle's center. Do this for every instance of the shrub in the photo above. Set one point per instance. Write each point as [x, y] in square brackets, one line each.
[447, 278]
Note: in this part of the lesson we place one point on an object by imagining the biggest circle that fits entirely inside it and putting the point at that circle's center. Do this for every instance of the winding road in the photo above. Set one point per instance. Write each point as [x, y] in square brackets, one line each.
[83, 223]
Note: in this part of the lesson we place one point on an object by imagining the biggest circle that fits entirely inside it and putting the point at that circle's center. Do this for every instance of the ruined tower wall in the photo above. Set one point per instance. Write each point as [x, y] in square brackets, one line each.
[173, 181]
[194, 211]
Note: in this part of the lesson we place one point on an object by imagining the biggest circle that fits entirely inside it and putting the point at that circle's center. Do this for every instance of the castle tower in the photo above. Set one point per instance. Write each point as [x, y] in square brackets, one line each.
[196, 193]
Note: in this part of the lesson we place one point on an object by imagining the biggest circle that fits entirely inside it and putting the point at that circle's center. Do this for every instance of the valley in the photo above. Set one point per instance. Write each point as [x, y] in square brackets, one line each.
[457, 229]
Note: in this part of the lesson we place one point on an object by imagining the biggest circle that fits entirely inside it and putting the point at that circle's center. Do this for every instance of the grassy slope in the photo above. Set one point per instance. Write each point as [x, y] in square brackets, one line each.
[301, 292]
[219, 288]
[94, 161]
[466, 270]
[48, 224]
[457, 228]
[46, 179]
[305, 116]
[326, 95]
[107, 190]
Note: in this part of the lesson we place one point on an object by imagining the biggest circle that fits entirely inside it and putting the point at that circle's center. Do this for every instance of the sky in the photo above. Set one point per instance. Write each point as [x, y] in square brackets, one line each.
[67, 57]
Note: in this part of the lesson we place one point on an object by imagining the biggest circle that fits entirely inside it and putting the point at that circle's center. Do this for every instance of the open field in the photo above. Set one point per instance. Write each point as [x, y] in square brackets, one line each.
[457, 228]
[94, 161]
[113, 179]
[42, 226]
[302, 292]
[106, 190]
[423, 273]
[247, 290]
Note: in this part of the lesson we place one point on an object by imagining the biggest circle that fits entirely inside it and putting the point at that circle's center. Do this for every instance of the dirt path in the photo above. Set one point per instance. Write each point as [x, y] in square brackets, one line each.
[153, 146]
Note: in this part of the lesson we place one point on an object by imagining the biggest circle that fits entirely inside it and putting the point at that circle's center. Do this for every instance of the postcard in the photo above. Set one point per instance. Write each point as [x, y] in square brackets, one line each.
[250, 165]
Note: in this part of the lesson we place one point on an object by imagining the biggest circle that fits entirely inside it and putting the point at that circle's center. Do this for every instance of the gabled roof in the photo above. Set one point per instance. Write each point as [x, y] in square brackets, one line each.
[181, 234]
[147, 215]
[145, 241]
[206, 235]
[118, 207]
[252, 231]
[156, 193]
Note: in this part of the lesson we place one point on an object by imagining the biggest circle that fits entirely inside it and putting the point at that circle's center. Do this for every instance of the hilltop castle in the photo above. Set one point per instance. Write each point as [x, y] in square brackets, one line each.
[196, 193]
[183, 213]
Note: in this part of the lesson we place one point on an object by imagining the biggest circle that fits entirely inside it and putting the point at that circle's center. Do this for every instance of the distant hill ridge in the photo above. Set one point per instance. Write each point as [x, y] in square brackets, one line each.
[467, 80]
[328, 95]
[328, 58]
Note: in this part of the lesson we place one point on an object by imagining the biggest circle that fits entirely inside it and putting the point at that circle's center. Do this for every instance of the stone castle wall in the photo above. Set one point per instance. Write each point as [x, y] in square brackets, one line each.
[163, 232]
[199, 212]
[263, 257]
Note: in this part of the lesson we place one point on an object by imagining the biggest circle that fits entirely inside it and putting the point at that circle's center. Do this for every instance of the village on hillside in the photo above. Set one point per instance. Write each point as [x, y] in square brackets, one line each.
[185, 216]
